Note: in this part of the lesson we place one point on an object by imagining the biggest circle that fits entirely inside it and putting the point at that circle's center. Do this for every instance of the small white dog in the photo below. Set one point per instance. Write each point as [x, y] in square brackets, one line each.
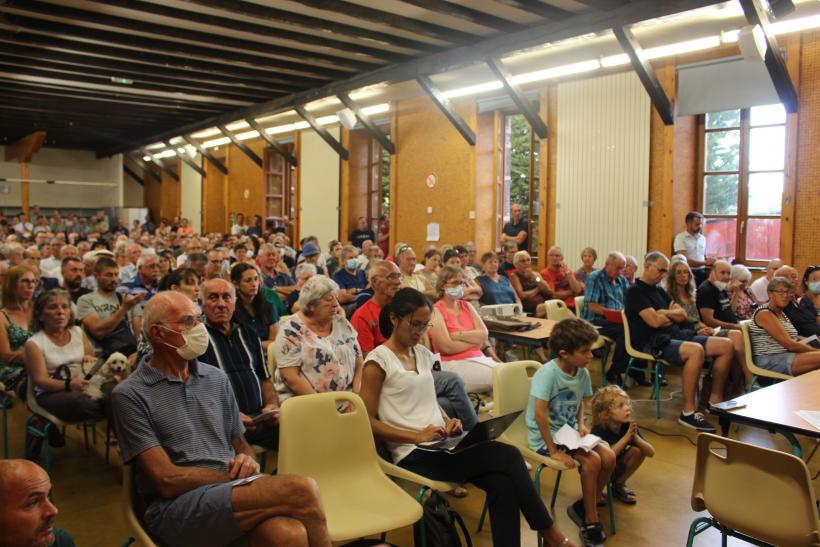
[114, 368]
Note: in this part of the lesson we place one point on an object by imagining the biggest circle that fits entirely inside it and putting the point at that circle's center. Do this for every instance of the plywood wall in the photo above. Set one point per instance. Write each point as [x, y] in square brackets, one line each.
[191, 195]
[426, 143]
[244, 192]
[486, 181]
[354, 178]
[214, 215]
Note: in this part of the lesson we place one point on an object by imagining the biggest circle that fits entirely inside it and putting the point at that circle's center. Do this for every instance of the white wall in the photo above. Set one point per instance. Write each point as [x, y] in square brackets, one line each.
[603, 166]
[133, 193]
[190, 204]
[319, 207]
[66, 165]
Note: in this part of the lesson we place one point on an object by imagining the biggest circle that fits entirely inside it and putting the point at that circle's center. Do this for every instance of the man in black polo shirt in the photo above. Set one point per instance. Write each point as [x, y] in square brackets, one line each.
[653, 325]
[236, 350]
[516, 229]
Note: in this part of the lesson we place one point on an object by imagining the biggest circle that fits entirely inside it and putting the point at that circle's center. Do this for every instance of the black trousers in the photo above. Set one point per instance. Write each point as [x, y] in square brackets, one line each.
[499, 470]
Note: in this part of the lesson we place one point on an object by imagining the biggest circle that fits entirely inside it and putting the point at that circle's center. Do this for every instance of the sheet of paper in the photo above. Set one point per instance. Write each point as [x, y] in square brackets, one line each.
[809, 339]
[433, 231]
[811, 416]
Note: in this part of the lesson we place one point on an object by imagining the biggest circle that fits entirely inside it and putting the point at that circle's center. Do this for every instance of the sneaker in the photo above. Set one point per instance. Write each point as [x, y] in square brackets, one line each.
[576, 513]
[592, 535]
[696, 421]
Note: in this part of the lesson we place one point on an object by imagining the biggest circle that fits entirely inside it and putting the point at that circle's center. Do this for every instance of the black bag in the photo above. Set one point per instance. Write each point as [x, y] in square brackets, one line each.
[121, 339]
[440, 524]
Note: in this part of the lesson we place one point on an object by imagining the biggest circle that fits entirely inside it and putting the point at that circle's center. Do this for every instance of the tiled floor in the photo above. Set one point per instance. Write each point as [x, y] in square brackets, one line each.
[88, 492]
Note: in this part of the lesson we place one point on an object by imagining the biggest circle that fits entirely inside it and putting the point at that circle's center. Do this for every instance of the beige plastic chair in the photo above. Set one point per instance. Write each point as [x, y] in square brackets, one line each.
[557, 310]
[271, 361]
[756, 371]
[654, 365]
[579, 303]
[753, 492]
[338, 451]
[132, 510]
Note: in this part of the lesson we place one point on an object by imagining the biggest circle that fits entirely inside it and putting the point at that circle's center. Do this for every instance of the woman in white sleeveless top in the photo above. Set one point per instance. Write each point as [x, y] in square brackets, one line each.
[397, 389]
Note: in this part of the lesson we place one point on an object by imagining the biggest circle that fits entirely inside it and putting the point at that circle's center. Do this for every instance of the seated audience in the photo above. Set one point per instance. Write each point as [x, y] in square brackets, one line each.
[147, 278]
[560, 278]
[496, 288]
[775, 341]
[430, 268]
[316, 348]
[467, 259]
[333, 260]
[73, 273]
[653, 322]
[269, 261]
[27, 513]
[15, 324]
[252, 308]
[193, 485]
[384, 278]
[508, 250]
[406, 260]
[302, 273]
[760, 286]
[741, 299]
[556, 399]
[184, 280]
[403, 412]
[459, 334]
[680, 284]
[312, 254]
[802, 316]
[588, 258]
[213, 269]
[452, 258]
[631, 269]
[57, 356]
[234, 347]
[810, 302]
[350, 279]
[530, 287]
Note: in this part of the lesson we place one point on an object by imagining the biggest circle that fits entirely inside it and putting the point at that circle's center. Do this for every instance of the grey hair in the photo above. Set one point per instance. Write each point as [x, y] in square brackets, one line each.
[741, 273]
[632, 258]
[348, 251]
[372, 267]
[144, 257]
[778, 282]
[654, 256]
[519, 255]
[509, 245]
[202, 288]
[11, 247]
[614, 256]
[314, 290]
[721, 261]
[304, 267]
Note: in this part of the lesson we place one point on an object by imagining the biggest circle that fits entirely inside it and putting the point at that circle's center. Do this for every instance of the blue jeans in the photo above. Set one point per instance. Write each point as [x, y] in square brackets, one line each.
[452, 397]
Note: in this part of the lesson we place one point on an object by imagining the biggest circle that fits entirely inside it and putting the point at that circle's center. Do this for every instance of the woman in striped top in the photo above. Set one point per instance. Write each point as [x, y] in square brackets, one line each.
[774, 338]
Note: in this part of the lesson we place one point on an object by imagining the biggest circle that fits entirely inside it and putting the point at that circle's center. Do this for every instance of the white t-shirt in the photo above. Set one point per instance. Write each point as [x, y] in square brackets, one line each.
[758, 288]
[408, 399]
[694, 245]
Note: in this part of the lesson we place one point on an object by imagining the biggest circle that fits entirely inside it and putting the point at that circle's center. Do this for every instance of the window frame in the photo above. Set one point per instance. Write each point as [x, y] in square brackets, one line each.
[505, 183]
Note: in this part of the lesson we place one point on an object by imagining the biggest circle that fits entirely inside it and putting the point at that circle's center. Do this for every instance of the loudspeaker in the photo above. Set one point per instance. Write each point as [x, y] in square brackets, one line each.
[347, 118]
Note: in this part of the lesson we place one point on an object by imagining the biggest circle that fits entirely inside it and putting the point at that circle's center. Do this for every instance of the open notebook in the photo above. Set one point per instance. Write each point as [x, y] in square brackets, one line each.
[570, 439]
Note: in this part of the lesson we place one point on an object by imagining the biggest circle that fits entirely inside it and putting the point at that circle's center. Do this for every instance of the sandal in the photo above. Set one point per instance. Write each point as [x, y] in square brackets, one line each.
[624, 494]
[458, 492]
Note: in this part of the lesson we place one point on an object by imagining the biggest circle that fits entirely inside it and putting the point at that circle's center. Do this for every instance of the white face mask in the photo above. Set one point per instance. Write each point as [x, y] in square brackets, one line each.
[455, 292]
[196, 341]
[721, 285]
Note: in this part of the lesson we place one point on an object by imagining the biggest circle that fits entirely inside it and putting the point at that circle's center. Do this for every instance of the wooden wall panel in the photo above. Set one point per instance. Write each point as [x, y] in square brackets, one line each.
[152, 196]
[170, 193]
[214, 214]
[356, 170]
[661, 170]
[486, 173]
[428, 143]
[245, 191]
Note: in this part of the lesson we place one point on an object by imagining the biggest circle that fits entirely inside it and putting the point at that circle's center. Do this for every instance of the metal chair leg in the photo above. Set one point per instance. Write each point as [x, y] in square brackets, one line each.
[611, 508]
[483, 515]
[555, 490]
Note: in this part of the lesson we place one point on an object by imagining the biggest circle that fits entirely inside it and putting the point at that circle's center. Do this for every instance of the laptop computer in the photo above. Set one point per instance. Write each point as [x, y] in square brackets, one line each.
[487, 430]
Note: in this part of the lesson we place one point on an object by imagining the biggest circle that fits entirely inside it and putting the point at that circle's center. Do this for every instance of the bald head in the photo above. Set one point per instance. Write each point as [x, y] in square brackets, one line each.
[26, 514]
[789, 273]
[385, 279]
[773, 266]
[166, 306]
[16, 470]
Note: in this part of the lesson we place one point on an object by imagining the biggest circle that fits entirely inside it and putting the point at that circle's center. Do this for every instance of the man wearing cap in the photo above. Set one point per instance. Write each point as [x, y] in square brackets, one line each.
[311, 253]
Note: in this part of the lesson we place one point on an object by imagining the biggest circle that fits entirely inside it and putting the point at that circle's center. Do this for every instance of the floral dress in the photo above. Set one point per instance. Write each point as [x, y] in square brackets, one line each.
[328, 362]
[12, 374]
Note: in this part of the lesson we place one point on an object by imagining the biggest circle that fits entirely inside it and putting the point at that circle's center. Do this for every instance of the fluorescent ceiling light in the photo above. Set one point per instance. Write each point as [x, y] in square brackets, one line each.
[615, 60]
[472, 90]
[794, 25]
[681, 47]
[557, 72]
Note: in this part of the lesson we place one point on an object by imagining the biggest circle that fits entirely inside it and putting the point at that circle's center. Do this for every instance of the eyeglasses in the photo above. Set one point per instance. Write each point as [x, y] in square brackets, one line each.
[781, 292]
[403, 249]
[189, 321]
[420, 326]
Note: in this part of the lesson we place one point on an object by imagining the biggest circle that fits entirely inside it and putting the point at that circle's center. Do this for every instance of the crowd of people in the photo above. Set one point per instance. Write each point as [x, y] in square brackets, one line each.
[197, 316]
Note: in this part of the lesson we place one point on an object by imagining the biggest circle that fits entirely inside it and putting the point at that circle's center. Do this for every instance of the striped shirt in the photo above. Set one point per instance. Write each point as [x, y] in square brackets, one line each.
[240, 356]
[603, 290]
[193, 421]
[762, 342]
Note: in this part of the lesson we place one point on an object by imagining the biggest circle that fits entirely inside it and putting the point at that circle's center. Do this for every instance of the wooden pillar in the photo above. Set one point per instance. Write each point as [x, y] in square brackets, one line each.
[22, 151]
[24, 187]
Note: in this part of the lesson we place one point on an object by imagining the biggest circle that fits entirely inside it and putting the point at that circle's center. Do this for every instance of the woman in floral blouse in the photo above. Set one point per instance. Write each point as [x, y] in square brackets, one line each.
[316, 349]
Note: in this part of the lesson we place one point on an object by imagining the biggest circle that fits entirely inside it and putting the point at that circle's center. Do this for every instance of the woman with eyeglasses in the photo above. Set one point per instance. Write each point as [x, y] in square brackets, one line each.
[805, 313]
[459, 334]
[317, 349]
[528, 285]
[398, 391]
[15, 323]
[775, 343]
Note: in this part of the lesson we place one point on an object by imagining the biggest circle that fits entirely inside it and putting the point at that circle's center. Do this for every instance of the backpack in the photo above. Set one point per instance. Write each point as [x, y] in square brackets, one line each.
[440, 524]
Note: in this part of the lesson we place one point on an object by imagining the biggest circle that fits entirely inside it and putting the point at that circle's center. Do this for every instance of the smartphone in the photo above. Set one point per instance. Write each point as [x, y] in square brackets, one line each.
[264, 416]
[730, 405]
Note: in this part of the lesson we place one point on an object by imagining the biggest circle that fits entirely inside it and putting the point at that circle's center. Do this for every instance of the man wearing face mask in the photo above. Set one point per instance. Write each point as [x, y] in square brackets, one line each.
[178, 420]
[236, 349]
[713, 301]
[349, 277]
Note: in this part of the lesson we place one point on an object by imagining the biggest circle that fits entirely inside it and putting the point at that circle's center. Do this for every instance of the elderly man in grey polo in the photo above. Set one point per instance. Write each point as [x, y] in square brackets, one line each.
[178, 421]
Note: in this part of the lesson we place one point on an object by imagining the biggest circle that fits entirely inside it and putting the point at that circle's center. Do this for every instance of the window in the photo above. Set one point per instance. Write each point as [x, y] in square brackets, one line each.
[741, 191]
[378, 184]
[520, 174]
[280, 188]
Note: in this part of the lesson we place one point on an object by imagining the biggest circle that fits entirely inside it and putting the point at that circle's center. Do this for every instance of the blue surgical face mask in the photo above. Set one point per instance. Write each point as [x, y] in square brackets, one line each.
[351, 264]
[455, 292]
[814, 287]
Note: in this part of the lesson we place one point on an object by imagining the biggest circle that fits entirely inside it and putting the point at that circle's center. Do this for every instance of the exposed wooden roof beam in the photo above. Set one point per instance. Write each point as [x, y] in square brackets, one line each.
[449, 112]
[205, 154]
[518, 97]
[145, 167]
[374, 131]
[468, 14]
[184, 157]
[290, 158]
[324, 133]
[170, 172]
[646, 74]
[241, 145]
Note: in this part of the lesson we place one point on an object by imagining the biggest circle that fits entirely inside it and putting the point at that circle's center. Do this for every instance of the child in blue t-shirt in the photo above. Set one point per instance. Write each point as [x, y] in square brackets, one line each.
[556, 399]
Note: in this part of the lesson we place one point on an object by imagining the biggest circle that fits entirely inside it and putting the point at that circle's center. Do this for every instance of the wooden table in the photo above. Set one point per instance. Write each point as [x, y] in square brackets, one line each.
[534, 338]
[774, 408]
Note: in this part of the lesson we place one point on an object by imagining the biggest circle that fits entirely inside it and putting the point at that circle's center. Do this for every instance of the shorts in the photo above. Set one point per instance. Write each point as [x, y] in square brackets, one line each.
[671, 352]
[776, 362]
[202, 517]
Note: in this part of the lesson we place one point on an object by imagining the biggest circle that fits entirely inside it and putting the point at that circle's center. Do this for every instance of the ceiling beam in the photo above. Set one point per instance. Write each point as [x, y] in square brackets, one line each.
[756, 14]
[37, 10]
[604, 5]
[374, 131]
[446, 108]
[205, 154]
[25, 148]
[465, 13]
[284, 152]
[324, 133]
[549, 12]
[168, 171]
[646, 73]
[130, 172]
[518, 97]
[241, 145]
[184, 157]
[145, 167]
[498, 46]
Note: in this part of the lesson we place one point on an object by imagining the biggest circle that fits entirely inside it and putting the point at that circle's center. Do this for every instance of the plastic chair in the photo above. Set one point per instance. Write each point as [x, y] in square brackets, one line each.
[757, 372]
[557, 310]
[511, 391]
[338, 451]
[132, 510]
[579, 303]
[752, 493]
[54, 421]
[654, 365]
